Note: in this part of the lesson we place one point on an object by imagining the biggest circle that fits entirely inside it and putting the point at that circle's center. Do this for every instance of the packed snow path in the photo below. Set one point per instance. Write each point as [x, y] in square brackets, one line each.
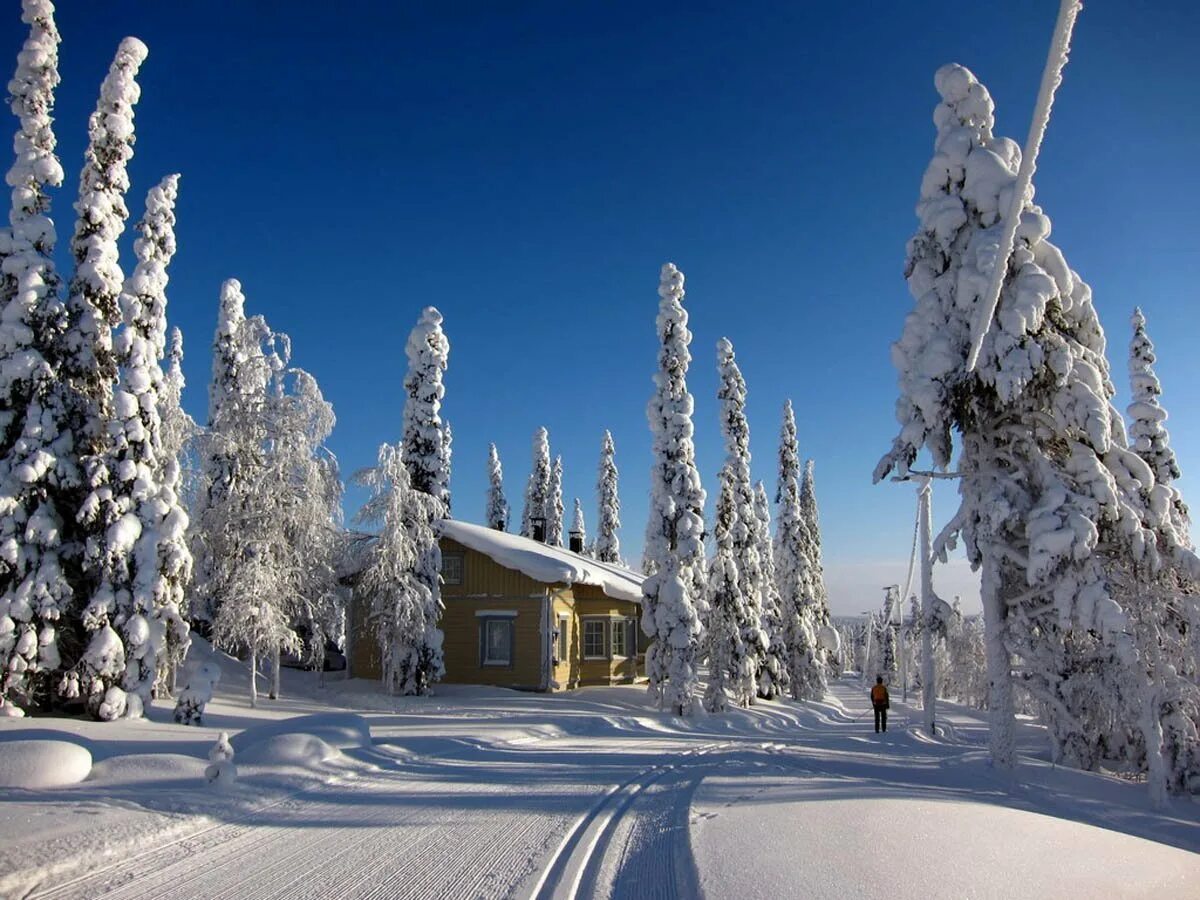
[487, 793]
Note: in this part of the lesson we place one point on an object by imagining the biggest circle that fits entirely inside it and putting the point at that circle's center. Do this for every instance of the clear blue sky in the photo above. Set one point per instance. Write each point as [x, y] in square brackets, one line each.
[527, 167]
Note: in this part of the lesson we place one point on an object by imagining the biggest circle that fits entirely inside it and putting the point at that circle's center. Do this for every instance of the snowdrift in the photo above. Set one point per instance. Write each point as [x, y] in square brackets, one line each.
[43, 764]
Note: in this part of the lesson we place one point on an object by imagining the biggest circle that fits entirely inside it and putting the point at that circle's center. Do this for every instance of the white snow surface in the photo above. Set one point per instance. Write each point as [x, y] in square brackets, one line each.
[543, 562]
[344, 792]
[43, 764]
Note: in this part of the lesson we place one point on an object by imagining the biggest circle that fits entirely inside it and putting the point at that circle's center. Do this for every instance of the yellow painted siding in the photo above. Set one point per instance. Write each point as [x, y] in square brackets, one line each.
[487, 586]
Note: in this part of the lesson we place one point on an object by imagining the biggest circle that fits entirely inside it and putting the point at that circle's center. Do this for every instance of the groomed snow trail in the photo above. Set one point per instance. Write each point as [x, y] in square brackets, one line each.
[594, 795]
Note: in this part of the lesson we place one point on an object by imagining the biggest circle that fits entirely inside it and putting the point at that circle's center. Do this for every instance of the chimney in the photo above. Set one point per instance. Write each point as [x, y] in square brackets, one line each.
[575, 541]
[538, 525]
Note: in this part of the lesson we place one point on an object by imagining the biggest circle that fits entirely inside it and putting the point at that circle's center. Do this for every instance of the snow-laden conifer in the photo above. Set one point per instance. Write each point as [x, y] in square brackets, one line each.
[773, 670]
[1053, 505]
[94, 294]
[447, 453]
[425, 445]
[748, 611]
[554, 506]
[401, 578]
[36, 462]
[674, 551]
[537, 490]
[1148, 429]
[179, 429]
[231, 454]
[729, 665]
[143, 561]
[793, 575]
[812, 524]
[578, 527]
[608, 544]
[496, 514]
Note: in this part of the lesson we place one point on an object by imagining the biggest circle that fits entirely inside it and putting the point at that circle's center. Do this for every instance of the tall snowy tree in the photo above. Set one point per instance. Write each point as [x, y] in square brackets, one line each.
[496, 515]
[812, 524]
[675, 531]
[233, 449]
[554, 506]
[729, 664]
[753, 645]
[1148, 428]
[608, 545]
[1053, 505]
[179, 430]
[401, 578]
[806, 674]
[142, 558]
[425, 445]
[537, 491]
[773, 670]
[36, 461]
[447, 452]
[577, 525]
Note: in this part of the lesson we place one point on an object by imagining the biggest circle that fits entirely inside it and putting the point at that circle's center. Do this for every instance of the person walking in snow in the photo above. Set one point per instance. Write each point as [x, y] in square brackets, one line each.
[881, 702]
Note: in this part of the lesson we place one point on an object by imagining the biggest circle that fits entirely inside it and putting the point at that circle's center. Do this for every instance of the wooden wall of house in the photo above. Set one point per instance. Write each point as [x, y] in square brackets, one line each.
[590, 601]
[461, 625]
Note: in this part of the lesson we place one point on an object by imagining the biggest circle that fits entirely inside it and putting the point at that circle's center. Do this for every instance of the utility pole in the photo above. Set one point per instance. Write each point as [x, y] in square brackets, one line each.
[925, 528]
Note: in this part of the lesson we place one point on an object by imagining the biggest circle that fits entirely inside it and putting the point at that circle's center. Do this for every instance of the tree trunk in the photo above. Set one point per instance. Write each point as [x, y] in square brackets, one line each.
[253, 677]
[1001, 713]
[274, 695]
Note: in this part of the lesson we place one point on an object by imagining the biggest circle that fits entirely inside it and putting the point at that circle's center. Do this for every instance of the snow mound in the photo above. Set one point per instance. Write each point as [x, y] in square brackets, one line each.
[542, 562]
[301, 749]
[43, 764]
[139, 768]
[337, 730]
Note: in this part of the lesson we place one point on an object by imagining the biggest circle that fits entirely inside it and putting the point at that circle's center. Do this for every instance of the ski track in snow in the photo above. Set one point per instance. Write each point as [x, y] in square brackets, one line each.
[550, 798]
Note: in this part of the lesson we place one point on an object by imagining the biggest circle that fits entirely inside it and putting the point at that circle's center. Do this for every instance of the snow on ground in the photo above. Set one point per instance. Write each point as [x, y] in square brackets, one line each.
[483, 792]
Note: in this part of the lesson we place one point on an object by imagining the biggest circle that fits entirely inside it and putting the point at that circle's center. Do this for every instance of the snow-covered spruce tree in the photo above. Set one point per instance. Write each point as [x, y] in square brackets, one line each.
[890, 664]
[142, 558]
[179, 430]
[447, 452]
[577, 525]
[1052, 502]
[729, 665]
[675, 531]
[401, 578]
[36, 463]
[608, 545]
[806, 674]
[424, 445]
[537, 490]
[496, 514]
[1148, 430]
[773, 671]
[554, 506]
[812, 523]
[748, 612]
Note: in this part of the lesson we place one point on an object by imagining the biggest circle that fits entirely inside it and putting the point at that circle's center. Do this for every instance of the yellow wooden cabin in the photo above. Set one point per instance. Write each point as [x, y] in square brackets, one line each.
[522, 614]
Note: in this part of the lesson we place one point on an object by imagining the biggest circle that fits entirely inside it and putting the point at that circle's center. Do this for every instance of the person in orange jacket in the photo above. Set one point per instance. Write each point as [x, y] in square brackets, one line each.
[881, 702]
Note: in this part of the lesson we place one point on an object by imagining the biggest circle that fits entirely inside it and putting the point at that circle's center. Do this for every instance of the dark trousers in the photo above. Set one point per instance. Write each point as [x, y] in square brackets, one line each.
[881, 718]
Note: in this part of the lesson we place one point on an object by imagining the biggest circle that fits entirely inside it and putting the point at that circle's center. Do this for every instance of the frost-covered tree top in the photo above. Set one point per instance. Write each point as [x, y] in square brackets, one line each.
[1147, 417]
[95, 288]
[496, 514]
[537, 490]
[425, 448]
[554, 506]
[674, 551]
[608, 544]
[812, 523]
[789, 455]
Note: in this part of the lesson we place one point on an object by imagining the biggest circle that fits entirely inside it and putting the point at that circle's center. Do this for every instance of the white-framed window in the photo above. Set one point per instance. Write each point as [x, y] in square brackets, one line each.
[563, 644]
[620, 635]
[452, 568]
[594, 634]
[496, 642]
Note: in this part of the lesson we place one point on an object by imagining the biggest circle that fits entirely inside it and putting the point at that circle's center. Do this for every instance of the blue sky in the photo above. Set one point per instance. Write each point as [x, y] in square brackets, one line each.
[527, 168]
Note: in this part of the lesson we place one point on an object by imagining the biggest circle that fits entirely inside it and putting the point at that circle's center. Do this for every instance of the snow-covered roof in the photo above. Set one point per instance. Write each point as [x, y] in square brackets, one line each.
[541, 562]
